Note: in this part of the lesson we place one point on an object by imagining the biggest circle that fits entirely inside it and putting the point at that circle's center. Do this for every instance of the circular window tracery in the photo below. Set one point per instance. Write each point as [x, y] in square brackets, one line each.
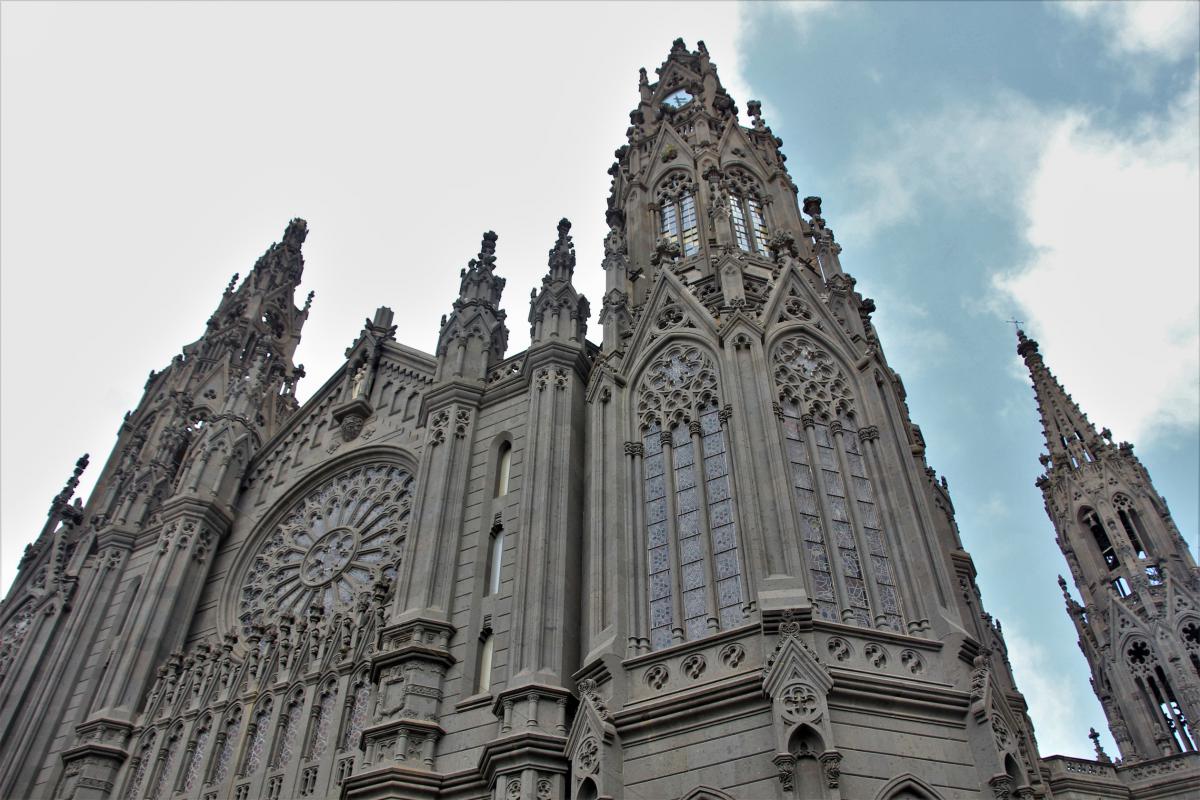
[331, 546]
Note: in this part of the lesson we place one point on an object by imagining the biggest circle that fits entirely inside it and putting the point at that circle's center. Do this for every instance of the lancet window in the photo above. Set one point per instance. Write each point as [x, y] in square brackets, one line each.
[196, 752]
[1157, 688]
[746, 212]
[12, 636]
[1091, 520]
[677, 213]
[851, 574]
[694, 584]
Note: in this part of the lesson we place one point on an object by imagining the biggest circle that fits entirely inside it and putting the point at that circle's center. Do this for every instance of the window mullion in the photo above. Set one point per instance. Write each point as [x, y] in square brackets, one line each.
[677, 620]
[864, 552]
[710, 577]
[832, 551]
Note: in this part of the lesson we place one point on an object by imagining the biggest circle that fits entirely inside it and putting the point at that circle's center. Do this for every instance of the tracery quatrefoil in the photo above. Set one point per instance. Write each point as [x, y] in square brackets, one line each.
[331, 546]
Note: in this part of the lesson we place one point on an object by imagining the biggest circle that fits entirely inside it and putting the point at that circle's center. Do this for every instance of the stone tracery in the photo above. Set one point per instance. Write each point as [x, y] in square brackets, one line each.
[332, 546]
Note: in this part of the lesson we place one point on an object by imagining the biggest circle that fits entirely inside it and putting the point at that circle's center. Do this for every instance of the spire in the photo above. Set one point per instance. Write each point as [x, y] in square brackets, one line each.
[283, 263]
[1071, 439]
[480, 285]
[557, 310]
[473, 335]
[562, 255]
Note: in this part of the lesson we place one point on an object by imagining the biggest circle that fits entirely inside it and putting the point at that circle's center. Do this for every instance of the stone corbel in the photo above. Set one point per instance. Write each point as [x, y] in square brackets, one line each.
[350, 417]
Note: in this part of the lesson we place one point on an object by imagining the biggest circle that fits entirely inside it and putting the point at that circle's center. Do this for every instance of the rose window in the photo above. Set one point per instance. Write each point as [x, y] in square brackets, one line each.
[331, 547]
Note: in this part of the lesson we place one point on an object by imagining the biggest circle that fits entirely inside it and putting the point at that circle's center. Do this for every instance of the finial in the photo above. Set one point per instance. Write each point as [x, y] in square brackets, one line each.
[642, 79]
[232, 283]
[754, 109]
[296, 233]
[64, 497]
[812, 206]
[701, 47]
[1026, 347]
[1100, 754]
[678, 46]
[562, 255]
[308, 300]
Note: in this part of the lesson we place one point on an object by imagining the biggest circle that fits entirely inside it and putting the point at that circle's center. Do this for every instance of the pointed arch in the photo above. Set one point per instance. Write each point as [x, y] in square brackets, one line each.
[707, 793]
[827, 445]
[693, 573]
[907, 787]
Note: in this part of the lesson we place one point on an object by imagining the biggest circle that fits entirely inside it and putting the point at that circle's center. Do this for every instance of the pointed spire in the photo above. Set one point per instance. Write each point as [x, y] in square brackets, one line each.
[557, 310]
[562, 255]
[479, 284]
[1071, 439]
[283, 263]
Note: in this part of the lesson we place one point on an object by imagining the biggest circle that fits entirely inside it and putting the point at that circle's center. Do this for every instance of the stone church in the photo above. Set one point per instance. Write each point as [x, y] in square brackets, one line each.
[701, 558]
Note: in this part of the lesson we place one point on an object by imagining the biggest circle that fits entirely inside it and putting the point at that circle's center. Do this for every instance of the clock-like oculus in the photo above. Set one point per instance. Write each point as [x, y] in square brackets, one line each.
[678, 99]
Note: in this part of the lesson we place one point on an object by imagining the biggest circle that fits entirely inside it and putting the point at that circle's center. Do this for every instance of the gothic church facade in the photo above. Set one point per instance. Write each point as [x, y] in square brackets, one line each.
[704, 558]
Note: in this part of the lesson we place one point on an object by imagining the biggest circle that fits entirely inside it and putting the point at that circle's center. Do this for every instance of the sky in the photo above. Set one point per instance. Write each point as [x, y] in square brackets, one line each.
[978, 162]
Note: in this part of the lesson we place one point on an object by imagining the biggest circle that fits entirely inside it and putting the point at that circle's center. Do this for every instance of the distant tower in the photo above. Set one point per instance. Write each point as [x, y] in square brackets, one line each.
[1139, 625]
[172, 479]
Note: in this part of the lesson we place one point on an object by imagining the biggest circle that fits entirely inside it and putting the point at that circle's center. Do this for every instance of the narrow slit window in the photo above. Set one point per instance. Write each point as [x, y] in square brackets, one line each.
[495, 560]
[503, 469]
[483, 670]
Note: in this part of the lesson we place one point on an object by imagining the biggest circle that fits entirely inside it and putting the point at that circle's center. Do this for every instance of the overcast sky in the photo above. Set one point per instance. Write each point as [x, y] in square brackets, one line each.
[977, 161]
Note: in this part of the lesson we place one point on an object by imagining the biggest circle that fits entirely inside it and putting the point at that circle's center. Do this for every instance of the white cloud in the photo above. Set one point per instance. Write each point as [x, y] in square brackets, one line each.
[1057, 700]
[977, 150]
[1113, 291]
[1164, 28]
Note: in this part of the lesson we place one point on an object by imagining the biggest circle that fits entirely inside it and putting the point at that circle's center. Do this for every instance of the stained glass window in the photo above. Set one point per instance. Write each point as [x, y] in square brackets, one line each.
[320, 736]
[192, 776]
[658, 553]
[290, 730]
[229, 738]
[162, 785]
[258, 742]
[358, 718]
[145, 761]
[815, 553]
[868, 514]
[726, 566]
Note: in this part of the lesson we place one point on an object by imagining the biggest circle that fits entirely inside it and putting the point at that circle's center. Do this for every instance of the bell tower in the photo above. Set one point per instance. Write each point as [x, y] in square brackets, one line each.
[1139, 622]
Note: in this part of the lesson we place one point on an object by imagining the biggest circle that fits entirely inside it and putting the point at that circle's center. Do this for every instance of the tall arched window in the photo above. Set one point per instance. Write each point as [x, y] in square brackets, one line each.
[227, 742]
[196, 750]
[841, 529]
[322, 720]
[694, 581]
[258, 739]
[677, 213]
[167, 758]
[746, 212]
[1091, 520]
